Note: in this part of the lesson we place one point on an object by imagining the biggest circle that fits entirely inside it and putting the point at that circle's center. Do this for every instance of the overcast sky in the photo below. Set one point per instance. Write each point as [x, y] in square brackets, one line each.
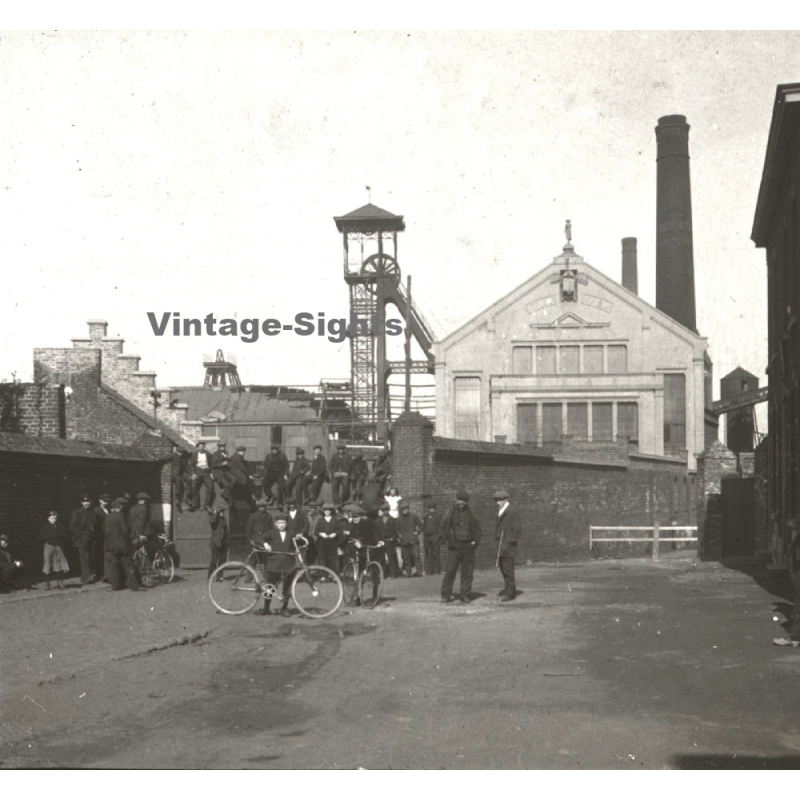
[200, 173]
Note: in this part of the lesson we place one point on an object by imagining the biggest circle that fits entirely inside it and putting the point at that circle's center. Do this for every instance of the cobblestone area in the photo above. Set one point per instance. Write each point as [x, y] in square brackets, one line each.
[49, 635]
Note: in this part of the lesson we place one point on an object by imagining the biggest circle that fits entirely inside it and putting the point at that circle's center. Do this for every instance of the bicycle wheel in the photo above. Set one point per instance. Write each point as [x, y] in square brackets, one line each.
[317, 592]
[350, 583]
[141, 563]
[162, 564]
[370, 585]
[234, 588]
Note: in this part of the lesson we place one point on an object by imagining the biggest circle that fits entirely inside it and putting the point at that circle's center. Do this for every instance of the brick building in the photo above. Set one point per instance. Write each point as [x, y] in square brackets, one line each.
[776, 228]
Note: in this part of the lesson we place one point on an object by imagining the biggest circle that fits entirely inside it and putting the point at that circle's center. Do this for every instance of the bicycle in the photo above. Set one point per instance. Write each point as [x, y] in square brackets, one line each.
[362, 586]
[235, 587]
[160, 569]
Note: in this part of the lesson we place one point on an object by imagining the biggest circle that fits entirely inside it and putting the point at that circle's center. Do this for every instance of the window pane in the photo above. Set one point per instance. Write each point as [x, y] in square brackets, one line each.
[527, 430]
[551, 422]
[578, 420]
[467, 408]
[617, 358]
[675, 412]
[593, 359]
[545, 361]
[568, 360]
[522, 360]
[602, 430]
[628, 421]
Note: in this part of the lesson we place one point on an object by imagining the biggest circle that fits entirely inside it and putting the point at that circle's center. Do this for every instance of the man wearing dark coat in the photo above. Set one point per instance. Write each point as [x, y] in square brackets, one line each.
[240, 472]
[339, 470]
[326, 533]
[118, 548]
[219, 538]
[409, 527]
[259, 522]
[358, 476]
[102, 560]
[386, 530]
[431, 523]
[280, 563]
[276, 471]
[221, 472]
[362, 532]
[82, 527]
[507, 531]
[139, 520]
[300, 468]
[461, 529]
[180, 478]
[312, 483]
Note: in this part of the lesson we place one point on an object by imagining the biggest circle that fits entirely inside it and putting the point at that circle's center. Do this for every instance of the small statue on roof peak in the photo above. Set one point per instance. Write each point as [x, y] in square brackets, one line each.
[568, 232]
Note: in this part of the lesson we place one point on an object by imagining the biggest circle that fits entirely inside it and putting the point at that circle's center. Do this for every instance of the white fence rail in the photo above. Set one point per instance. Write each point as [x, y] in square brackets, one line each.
[655, 539]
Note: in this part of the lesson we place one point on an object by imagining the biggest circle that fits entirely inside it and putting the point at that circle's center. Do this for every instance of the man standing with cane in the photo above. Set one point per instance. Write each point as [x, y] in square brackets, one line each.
[507, 531]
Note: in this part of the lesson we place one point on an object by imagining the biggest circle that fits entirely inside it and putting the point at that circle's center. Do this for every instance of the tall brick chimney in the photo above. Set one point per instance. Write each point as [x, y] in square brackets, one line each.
[674, 250]
[630, 277]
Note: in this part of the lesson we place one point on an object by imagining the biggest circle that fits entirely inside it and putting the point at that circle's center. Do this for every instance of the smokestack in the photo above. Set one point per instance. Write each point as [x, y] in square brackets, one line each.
[674, 251]
[630, 278]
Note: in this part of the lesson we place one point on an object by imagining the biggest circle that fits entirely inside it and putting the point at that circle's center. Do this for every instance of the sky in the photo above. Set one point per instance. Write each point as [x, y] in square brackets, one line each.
[200, 173]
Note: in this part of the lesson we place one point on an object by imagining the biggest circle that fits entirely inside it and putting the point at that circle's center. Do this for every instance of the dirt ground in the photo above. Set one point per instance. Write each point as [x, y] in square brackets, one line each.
[603, 665]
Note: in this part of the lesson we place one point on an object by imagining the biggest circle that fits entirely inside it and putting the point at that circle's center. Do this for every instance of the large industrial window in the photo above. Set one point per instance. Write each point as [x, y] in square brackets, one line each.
[628, 421]
[467, 408]
[602, 430]
[522, 360]
[593, 359]
[569, 360]
[527, 429]
[578, 420]
[546, 360]
[674, 412]
[617, 358]
[551, 422]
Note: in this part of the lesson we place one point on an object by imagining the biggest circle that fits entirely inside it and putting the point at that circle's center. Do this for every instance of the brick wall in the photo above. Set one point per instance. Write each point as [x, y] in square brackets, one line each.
[559, 497]
[32, 484]
[715, 463]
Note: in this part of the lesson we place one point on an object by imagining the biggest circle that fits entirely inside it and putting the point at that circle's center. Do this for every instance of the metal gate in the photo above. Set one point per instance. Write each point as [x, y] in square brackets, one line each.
[738, 506]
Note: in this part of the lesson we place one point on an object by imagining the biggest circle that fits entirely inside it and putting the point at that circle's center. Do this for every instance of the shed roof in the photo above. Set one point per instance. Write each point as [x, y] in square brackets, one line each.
[243, 406]
[21, 443]
[370, 217]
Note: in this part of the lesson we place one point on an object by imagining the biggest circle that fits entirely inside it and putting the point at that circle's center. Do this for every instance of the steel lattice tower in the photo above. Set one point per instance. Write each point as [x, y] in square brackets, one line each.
[372, 273]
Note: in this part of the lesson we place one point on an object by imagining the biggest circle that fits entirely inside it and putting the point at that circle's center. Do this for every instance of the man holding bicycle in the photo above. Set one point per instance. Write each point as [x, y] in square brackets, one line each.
[279, 560]
[361, 532]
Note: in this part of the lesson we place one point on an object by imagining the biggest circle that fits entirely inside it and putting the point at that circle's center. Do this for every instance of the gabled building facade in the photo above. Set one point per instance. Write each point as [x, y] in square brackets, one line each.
[572, 354]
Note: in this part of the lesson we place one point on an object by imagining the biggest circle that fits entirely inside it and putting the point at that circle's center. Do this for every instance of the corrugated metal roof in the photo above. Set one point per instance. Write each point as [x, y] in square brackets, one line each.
[241, 406]
[20, 443]
[369, 211]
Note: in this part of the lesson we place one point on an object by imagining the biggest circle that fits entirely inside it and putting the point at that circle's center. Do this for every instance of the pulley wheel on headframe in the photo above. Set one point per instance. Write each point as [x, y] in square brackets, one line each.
[380, 264]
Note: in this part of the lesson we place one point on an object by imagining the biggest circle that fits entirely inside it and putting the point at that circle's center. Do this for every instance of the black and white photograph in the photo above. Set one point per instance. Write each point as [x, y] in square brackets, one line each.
[437, 394]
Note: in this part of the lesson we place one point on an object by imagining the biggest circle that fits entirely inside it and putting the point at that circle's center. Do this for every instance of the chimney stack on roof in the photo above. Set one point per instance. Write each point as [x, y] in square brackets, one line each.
[674, 249]
[630, 279]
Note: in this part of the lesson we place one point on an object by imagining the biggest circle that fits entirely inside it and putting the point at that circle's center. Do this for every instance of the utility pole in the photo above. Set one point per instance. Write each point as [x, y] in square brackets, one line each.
[408, 345]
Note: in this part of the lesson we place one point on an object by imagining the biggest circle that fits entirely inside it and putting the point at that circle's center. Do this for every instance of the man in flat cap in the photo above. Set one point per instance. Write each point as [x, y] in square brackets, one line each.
[431, 523]
[276, 472]
[409, 526]
[339, 469]
[386, 530]
[102, 561]
[462, 532]
[300, 468]
[201, 475]
[221, 471]
[506, 532]
[118, 548]
[242, 487]
[82, 527]
[312, 483]
[358, 476]
[280, 563]
[259, 522]
[139, 520]
[219, 538]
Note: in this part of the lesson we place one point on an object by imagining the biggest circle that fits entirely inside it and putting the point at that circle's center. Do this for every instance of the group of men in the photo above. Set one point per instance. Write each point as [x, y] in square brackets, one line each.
[396, 541]
[231, 476]
[106, 536]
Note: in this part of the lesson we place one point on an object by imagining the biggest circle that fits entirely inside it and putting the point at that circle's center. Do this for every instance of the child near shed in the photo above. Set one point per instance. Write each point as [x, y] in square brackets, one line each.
[53, 534]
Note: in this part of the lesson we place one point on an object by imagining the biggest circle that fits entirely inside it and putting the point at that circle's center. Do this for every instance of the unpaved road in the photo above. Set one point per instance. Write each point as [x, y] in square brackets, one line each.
[608, 665]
